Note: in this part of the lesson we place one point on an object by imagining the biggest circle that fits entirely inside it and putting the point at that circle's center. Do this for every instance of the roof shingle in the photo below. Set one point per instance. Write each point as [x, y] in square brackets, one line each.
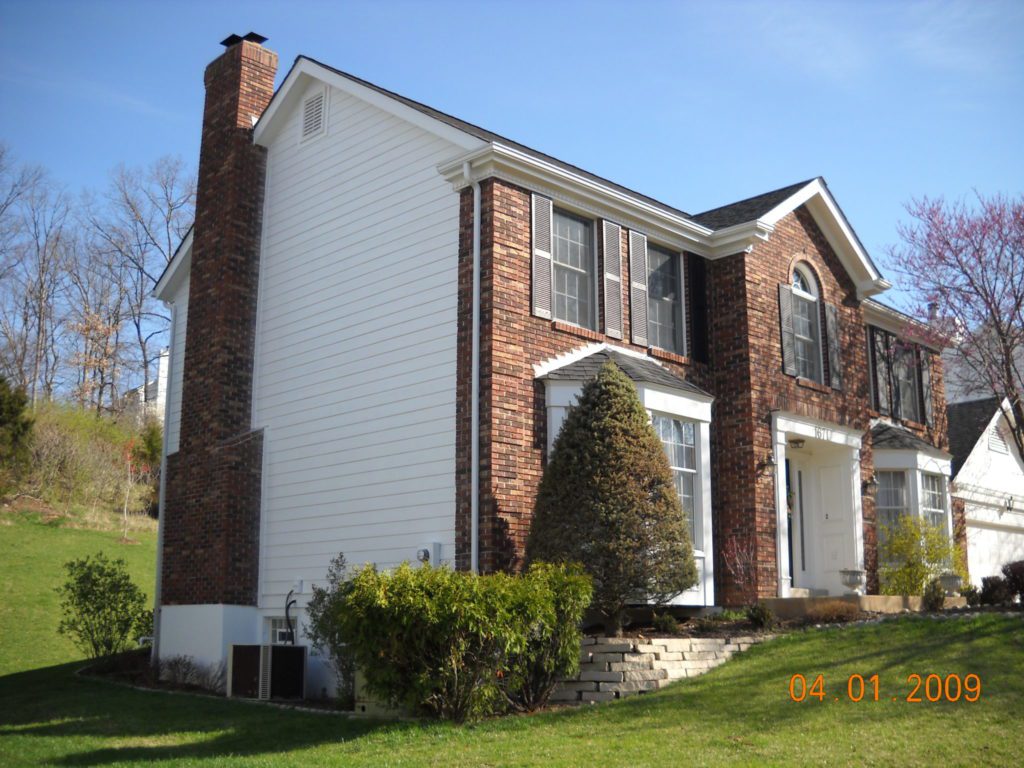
[638, 369]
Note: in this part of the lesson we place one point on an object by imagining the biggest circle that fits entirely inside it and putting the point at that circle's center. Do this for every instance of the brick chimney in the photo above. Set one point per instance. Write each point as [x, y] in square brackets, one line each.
[212, 498]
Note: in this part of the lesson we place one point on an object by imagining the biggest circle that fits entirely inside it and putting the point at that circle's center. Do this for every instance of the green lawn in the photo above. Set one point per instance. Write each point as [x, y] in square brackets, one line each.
[32, 557]
[739, 713]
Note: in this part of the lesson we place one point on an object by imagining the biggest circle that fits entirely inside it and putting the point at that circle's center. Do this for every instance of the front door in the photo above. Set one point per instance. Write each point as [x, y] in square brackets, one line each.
[819, 522]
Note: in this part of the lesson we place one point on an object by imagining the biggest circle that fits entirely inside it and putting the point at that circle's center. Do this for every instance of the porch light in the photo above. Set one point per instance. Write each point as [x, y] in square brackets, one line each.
[769, 465]
[1009, 503]
[797, 443]
[871, 484]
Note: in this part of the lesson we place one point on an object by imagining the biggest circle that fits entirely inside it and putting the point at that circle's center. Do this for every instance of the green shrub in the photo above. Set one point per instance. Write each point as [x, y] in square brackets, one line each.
[607, 500]
[995, 591]
[1013, 573]
[761, 616]
[665, 623]
[15, 435]
[934, 597]
[456, 645]
[324, 630]
[832, 612]
[103, 611]
[972, 594]
[913, 553]
[551, 602]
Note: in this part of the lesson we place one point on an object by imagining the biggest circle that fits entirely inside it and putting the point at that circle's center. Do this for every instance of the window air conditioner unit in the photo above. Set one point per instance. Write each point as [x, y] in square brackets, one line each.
[267, 671]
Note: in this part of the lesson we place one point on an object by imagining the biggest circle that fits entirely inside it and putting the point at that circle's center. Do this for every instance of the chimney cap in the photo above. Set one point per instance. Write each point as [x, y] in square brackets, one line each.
[251, 37]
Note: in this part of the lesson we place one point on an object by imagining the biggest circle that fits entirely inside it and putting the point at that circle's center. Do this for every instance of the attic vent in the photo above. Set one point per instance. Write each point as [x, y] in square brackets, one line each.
[996, 441]
[313, 116]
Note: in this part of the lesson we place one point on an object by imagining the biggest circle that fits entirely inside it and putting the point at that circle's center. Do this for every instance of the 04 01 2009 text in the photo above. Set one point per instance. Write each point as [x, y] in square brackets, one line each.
[919, 689]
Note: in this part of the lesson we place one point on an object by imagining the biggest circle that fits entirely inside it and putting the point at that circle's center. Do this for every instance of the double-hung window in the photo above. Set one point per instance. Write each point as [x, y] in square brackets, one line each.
[573, 270]
[901, 377]
[806, 326]
[892, 501]
[679, 439]
[665, 300]
[933, 500]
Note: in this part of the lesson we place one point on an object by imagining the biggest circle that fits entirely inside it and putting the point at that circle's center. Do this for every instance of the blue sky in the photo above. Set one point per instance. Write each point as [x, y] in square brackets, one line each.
[697, 104]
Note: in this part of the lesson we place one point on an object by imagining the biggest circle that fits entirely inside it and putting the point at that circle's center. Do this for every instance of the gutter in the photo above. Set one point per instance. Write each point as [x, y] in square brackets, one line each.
[474, 469]
[157, 589]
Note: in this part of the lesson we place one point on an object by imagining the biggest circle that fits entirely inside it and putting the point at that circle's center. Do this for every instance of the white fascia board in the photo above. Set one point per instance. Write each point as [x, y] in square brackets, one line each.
[907, 459]
[176, 271]
[676, 402]
[896, 322]
[294, 86]
[815, 429]
[833, 224]
[577, 192]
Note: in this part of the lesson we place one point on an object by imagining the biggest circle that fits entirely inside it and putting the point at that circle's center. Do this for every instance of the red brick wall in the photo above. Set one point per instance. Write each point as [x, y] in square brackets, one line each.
[212, 504]
[513, 419]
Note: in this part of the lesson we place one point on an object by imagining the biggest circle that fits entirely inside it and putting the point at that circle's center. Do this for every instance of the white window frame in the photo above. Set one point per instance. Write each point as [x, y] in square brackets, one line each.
[594, 266]
[929, 512]
[277, 628]
[809, 297]
[917, 464]
[695, 522]
[680, 318]
[905, 509]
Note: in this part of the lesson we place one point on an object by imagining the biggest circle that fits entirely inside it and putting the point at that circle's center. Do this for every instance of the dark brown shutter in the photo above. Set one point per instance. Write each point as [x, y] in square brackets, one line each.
[883, 370]
[612, 251]
[926, 387]
[638, 288]
[835, 362]
[542, 215]
[698, 307]
[786, 320]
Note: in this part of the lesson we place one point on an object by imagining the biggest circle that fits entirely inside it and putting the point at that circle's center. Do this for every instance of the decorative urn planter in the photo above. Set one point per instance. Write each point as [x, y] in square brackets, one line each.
[950, 583]
[853, 579]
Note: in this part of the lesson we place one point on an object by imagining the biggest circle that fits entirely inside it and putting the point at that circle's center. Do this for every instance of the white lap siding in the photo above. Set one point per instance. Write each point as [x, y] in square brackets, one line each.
[177, 363]
[356, 347]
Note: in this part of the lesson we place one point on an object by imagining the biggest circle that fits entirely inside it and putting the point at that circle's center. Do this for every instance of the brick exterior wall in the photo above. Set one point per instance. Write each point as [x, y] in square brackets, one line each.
[212, 500]
[743, 372]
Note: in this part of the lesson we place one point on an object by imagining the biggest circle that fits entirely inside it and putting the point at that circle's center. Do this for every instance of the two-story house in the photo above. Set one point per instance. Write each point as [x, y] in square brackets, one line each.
[383, 313]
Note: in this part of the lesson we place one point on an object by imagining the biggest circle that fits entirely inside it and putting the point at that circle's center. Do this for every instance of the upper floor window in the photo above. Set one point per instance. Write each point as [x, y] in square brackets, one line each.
[900, 377]
[806, 325]
[665, 300]
[573, 272]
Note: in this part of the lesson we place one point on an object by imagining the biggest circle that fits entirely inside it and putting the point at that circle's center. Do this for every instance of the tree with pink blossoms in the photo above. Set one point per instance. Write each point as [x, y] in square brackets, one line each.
[964, 267]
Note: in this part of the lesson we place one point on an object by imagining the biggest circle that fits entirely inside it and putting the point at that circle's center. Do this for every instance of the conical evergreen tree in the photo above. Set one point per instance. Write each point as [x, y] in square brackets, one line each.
[607, 501]
[15, 429]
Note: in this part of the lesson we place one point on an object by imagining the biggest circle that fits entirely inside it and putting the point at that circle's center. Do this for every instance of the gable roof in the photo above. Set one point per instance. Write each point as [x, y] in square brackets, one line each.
[747, 210]
[966, 423]
[887, 437]
[639, 369]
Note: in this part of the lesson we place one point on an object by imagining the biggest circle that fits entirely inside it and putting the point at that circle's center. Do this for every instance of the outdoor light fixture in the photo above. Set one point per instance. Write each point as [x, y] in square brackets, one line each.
[797, 443]
[768, 465]
[871, 484]
[1009, 503]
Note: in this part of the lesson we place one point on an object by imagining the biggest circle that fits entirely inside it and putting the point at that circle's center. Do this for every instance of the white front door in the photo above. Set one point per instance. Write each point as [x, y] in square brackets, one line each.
[820, 523]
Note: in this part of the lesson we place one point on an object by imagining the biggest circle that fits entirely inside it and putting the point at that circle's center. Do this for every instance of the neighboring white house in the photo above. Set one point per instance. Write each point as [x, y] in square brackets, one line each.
[988, 478]
[148, 401]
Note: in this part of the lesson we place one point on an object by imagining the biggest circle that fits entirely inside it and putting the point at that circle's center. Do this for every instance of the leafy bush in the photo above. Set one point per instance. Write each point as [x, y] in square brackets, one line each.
[665, 624]
[995, 591]
[324, 631]
[103, 610]
[15, 434]
[607, 500]
[972, 594]
[934, 597]
[913, 553]
[456, 645]
[551, 602]
[832, 612]
[761, 616]
[1013, 573]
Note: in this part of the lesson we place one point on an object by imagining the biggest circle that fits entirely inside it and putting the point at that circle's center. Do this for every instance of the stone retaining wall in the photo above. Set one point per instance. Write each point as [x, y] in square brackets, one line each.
[615, 667]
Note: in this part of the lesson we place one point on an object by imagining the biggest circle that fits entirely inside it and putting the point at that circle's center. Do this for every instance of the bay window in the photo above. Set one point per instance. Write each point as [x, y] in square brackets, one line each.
[679, 439]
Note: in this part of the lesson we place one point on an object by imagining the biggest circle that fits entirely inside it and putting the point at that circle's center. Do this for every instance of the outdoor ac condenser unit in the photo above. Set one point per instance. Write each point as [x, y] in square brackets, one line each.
[267, 671]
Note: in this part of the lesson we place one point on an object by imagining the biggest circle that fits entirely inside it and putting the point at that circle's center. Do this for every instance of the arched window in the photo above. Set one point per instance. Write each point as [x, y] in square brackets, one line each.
[806, 324]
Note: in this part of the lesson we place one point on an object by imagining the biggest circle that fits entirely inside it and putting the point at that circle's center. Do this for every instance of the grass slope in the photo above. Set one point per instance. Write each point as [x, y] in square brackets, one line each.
[738, 714]
[32, 557]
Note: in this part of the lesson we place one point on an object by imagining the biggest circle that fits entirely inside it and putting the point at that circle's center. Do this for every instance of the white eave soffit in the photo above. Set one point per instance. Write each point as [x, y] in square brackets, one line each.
[176, 270]
[574, 190]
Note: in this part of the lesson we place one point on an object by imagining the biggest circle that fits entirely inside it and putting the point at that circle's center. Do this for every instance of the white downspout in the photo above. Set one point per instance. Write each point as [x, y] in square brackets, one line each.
[474, 469]
[155, 655]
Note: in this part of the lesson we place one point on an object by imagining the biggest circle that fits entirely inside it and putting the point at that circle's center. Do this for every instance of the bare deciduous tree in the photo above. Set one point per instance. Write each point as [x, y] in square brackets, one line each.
[965, 264]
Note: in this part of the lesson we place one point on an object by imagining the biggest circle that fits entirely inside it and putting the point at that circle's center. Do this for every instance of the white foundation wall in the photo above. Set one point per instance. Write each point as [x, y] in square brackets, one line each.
[205, 632]
[355, 369]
